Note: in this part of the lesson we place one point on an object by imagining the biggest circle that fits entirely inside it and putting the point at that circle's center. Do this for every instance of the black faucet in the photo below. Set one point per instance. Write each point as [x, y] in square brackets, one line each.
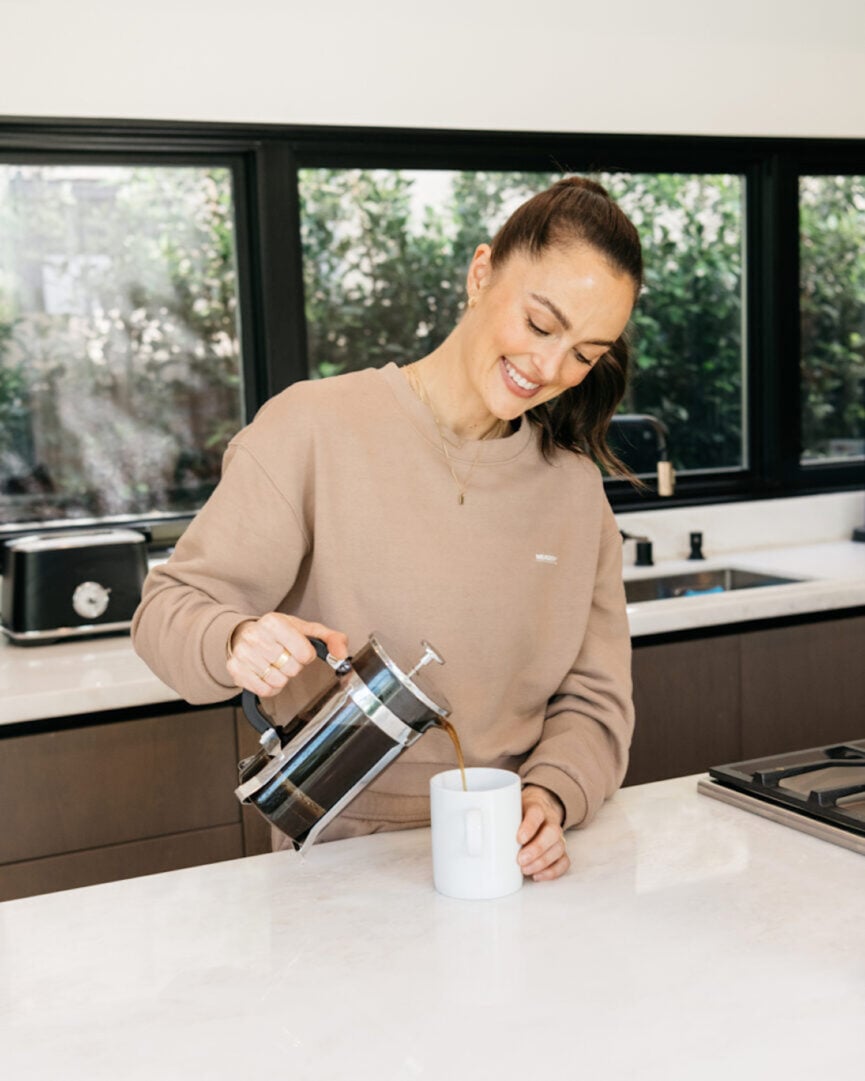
[640, 441]
[644, 549]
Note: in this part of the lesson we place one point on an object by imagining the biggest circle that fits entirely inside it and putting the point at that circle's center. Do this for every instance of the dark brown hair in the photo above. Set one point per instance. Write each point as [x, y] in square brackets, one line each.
[576, 210]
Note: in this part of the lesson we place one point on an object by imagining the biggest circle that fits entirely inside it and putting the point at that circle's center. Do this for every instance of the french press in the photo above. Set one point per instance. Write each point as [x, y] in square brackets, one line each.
[308, 770]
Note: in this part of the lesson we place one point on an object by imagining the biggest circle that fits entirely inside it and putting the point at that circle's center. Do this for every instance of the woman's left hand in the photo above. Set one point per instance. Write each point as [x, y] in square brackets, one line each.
[544, 854]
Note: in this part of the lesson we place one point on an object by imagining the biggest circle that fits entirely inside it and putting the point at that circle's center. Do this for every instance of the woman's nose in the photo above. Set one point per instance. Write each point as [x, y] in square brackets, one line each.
[550, 363]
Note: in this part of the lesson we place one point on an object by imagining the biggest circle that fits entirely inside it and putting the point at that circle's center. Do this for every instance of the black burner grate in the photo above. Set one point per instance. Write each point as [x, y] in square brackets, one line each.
[793, 780]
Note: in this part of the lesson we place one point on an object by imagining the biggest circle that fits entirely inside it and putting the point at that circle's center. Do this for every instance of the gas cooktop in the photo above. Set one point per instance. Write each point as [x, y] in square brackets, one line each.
[820, 791]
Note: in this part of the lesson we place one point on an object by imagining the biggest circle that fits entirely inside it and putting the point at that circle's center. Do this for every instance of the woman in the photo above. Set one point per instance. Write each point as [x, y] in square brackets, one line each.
[455, 499]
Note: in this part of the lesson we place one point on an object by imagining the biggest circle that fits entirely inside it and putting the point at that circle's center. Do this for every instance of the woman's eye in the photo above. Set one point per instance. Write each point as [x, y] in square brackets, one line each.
[546, 333]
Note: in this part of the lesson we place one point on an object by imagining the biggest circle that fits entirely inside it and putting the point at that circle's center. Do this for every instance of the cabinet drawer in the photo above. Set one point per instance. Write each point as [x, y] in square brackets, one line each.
[120, 861]
[687, 704]
[803, 686]
[256, 828]
[108, 784]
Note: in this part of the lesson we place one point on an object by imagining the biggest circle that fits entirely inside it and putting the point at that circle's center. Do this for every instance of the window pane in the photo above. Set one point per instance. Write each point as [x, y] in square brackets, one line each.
[386, 253]
[832, 312]
[119, 353]
[687, 331]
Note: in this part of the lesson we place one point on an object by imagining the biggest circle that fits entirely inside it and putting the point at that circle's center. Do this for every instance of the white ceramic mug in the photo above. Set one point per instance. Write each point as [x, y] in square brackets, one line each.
[474, 833]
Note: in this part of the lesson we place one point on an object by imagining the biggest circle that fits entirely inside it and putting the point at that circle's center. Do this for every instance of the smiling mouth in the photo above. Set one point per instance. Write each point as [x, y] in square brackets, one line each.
[517, 382]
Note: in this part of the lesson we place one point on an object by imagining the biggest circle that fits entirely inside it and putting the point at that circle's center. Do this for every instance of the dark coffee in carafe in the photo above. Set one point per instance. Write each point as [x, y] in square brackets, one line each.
[309, 770]
[296, 799]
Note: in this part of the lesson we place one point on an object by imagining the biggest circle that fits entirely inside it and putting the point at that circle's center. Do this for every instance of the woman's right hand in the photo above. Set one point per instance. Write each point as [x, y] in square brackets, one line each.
[264, 654]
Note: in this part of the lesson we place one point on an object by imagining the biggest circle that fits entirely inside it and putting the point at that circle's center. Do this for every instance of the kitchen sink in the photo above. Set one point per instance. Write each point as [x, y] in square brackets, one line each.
[698, 583]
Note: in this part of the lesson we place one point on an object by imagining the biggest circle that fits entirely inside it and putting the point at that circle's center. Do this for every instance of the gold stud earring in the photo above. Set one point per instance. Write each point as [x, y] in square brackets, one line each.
[473, 300]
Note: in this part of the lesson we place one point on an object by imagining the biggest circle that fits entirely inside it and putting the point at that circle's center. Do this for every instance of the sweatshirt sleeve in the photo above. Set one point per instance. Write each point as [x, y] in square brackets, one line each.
[582, 755]
[237, 560]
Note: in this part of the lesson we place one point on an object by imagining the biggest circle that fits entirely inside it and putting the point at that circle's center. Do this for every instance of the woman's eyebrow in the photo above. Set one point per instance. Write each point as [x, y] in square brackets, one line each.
[562, 318]
[547, 303]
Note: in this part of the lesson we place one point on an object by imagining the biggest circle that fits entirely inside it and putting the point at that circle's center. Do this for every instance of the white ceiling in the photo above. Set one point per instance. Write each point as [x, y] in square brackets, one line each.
[782, 67]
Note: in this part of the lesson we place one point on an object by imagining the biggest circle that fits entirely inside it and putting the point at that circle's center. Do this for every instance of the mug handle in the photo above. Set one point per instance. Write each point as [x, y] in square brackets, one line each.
[474, 832]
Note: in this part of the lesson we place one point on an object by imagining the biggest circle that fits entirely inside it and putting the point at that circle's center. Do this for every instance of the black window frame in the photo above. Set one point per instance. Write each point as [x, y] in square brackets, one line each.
[264, 161]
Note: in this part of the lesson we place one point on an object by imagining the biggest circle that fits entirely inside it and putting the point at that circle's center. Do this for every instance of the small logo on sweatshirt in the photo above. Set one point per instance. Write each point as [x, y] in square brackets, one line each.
[543, 557]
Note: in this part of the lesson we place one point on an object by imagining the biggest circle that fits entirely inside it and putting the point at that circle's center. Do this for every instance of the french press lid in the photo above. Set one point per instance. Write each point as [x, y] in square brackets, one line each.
[404, 690]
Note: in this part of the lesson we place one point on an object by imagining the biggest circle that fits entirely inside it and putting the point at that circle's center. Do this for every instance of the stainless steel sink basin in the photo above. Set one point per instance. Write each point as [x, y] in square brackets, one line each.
[698, 583]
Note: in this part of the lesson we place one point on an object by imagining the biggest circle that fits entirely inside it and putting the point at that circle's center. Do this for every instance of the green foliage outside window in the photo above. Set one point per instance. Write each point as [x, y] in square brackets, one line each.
[832, 313]
[383, 283]
[119, 349]
[687, 326]
[119, 352]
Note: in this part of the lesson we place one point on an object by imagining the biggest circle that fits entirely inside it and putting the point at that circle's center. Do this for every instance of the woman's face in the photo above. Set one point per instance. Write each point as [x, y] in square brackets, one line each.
[539, 324]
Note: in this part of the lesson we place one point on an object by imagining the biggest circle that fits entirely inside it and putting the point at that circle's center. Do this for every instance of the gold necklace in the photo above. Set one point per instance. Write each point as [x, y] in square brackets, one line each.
[417, 386]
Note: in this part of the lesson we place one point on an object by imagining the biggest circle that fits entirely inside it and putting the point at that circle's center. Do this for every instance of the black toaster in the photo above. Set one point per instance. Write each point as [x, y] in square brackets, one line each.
[71, 584]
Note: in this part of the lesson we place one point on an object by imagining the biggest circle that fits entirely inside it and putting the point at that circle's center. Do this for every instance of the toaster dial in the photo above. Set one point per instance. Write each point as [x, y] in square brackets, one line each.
[90, 600]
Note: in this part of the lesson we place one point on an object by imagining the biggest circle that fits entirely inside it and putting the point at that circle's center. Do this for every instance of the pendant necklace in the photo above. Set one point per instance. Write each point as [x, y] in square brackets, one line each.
[462, 486]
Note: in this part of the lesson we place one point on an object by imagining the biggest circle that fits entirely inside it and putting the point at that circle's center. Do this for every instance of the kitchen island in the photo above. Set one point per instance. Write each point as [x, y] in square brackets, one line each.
[690, 939]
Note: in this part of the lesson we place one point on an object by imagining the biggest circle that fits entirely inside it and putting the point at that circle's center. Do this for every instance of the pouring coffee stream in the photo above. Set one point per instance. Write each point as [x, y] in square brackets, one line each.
[308, 770]
[442, 723]
[455, 740]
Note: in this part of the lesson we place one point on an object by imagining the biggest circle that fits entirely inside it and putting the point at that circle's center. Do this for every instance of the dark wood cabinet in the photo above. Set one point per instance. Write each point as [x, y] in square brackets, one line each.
[804, 687]
[725, 697]
[147, 857]
[256, 829]
[94, 800]
[687, 705]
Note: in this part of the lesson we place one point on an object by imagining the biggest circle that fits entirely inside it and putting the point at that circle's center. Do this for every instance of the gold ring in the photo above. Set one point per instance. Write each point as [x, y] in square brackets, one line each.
[264, 673]
[281, 659]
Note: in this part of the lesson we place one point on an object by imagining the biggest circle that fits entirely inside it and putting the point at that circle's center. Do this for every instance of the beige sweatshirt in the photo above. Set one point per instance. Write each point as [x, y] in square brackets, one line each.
[336, 504]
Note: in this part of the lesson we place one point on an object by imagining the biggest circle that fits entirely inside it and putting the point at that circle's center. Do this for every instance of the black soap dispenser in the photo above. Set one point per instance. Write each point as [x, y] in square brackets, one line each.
[644, 553]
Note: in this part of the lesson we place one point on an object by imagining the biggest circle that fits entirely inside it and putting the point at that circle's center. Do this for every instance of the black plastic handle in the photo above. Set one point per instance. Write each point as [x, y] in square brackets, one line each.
[339, 666]
[256, 718]
[249, 701]
[321, 650]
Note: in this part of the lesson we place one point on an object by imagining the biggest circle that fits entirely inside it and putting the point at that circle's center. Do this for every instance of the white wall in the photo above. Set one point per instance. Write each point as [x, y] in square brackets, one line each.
[748, 67]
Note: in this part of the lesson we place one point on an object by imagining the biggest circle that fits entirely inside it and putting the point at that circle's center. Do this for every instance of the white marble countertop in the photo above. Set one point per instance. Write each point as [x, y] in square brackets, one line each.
[75, 678]
[690, 939]
[100, 674]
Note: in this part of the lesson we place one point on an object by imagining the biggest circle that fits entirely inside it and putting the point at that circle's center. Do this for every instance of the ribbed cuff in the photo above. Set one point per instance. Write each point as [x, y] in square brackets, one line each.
[566, 788]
